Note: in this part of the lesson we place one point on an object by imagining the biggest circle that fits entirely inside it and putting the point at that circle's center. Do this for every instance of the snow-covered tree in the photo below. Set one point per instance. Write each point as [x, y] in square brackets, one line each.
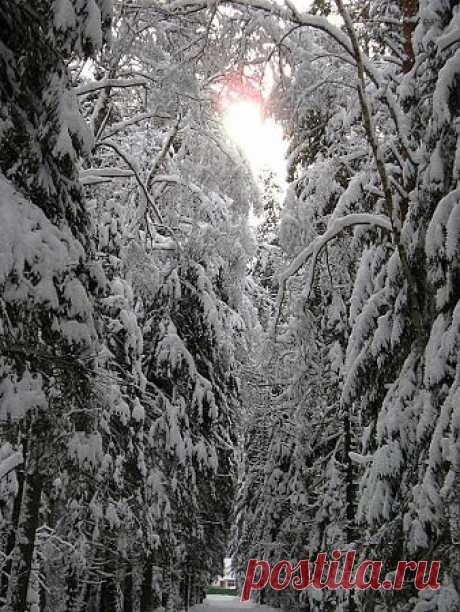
[144, 335]
[390, 179]
[50, 278]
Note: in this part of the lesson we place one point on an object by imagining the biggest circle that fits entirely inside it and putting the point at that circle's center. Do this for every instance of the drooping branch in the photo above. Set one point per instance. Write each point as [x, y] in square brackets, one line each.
[94, 176]
[313, 250]
[163, 151]
[10, 463]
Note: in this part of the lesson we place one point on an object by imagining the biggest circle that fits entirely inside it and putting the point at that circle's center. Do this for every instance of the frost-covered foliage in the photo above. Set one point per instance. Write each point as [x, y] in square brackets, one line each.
[379, 139]
[124, 243]
[128, 317]
[49, 277]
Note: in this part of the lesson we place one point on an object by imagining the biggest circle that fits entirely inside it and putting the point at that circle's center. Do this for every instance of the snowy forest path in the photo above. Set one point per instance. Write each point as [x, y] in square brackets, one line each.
[224, 603]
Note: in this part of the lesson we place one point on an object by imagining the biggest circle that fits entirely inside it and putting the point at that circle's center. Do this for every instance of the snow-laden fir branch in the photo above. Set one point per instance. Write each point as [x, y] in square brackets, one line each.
[368, 121]
[94, 176]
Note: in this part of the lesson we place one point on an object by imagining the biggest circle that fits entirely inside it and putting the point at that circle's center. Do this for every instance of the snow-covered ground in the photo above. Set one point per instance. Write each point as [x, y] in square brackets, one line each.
[224, 603]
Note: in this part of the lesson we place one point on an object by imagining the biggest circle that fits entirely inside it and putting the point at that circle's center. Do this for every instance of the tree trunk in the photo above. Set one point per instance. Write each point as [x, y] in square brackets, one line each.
[409, 10]
[128, 590]
[24, 550]
[109, 593]
[11, 538]
[147, 591]
[349, 491]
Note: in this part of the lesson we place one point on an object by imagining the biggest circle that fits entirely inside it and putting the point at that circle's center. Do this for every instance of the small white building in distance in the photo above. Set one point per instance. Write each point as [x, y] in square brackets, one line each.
[228, 580]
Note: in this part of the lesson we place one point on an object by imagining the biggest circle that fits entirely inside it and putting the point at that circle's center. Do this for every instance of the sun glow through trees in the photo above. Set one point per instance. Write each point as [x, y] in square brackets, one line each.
[257, 135]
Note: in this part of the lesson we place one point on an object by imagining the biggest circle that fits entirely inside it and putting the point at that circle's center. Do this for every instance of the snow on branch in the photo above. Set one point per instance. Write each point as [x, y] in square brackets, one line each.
[163, 151]
[334, 229]
[122, 125]
[124, 156]
[313, 250]
[86, 88]
[10, 463]
[94, 176]
[360, 459]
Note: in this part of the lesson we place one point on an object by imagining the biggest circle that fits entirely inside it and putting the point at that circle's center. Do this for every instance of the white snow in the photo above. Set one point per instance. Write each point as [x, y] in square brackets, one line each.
[10, 463]
[93, 25]
[225, 603]
[64, 15]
